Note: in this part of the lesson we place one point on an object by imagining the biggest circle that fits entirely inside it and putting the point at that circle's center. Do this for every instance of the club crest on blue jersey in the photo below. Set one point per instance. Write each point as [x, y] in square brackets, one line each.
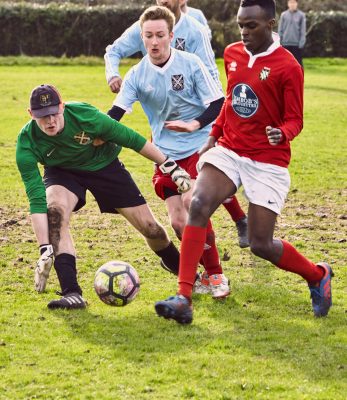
[244, 101]
[82, 138]
[177, 82]
[180, 44]
[264, 73]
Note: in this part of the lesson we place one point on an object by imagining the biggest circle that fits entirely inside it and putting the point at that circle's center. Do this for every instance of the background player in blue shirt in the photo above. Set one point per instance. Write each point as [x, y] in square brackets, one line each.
[188, 35]
[197, 14]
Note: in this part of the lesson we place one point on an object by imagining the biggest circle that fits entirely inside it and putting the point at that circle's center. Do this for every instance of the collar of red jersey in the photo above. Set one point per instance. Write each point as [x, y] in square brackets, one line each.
[274, 46]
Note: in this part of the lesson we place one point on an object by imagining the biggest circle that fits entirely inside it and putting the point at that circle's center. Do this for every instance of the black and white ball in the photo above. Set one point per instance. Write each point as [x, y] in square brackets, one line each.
[116, 283]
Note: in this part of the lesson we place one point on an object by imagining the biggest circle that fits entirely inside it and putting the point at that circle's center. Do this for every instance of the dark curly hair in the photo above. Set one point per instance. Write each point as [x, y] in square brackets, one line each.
[268, 5]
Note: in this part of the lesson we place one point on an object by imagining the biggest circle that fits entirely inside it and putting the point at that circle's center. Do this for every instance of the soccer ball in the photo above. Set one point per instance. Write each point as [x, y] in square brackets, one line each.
[116, 283]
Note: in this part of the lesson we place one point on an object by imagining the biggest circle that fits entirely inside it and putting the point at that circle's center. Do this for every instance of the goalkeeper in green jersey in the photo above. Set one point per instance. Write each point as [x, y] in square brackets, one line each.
[78, 146]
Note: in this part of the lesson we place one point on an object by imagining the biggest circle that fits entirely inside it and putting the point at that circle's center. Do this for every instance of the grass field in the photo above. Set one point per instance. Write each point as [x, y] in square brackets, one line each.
[261, 343]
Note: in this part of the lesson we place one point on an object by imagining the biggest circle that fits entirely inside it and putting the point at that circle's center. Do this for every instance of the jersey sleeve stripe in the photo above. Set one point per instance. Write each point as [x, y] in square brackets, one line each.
[210, 82]
[210, 56]
[110, 71]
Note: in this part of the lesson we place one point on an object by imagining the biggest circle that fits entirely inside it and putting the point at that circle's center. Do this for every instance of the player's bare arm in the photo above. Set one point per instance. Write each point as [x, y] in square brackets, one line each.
[40, 226]
[115, 84]
[168, 166]
[182, 126]
[208, 116]
[210, 143]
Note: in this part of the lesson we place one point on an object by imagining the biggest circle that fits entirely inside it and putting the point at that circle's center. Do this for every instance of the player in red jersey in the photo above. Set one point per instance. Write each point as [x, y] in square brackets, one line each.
[262, 113]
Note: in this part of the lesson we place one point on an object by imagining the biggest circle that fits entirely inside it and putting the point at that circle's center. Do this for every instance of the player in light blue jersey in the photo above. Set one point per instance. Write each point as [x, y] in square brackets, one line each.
[182, 89]
[181, 100]
[185, 26]
[189, 35]
[197, 14]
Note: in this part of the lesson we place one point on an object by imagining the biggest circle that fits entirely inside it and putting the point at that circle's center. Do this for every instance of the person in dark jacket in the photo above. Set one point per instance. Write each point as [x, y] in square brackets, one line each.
[292, 30]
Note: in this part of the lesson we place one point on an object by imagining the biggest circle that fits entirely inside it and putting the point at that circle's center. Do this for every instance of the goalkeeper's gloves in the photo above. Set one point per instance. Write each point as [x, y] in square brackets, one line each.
[178, 175]
[43, 267]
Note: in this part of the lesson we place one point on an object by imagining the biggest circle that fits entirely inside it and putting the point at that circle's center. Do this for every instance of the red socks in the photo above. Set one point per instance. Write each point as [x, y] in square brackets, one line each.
[192, 246]
[291, 260]
[210, 256]
[233, 207]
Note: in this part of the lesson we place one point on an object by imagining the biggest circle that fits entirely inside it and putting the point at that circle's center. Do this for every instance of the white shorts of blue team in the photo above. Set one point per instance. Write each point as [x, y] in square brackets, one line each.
[264, 184]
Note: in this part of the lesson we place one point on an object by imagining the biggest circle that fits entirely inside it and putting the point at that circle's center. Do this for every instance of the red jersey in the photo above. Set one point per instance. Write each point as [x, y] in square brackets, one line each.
[263, 90]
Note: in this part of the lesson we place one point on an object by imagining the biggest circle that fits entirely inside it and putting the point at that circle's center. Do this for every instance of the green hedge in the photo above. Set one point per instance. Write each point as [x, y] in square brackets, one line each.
[226, 9]
[58, 30]
[73, 30]
[326, 34]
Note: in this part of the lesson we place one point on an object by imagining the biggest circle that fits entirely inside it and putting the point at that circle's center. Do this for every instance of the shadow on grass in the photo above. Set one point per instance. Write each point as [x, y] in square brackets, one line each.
[258, 322]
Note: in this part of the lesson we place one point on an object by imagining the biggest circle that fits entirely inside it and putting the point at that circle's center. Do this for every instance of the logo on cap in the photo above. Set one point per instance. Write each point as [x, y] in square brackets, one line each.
[45, 100]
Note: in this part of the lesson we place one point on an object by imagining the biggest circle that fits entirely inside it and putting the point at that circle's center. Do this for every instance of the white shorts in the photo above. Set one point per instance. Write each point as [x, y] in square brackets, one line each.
[264, 184]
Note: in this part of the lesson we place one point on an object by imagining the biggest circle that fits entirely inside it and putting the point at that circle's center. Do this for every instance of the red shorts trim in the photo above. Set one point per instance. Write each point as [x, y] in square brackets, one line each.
[163, 185]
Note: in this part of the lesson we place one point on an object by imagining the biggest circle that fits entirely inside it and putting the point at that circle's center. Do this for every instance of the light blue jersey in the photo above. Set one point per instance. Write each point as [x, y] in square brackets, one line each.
[199, 16]
[181, 90]
[189, 35]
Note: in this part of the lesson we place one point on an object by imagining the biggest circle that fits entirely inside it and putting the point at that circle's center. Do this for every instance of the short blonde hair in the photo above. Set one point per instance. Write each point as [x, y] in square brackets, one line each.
[157, 12]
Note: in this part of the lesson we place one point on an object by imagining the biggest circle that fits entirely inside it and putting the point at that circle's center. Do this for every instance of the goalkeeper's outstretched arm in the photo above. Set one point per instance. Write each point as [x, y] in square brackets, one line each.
[168, 166]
